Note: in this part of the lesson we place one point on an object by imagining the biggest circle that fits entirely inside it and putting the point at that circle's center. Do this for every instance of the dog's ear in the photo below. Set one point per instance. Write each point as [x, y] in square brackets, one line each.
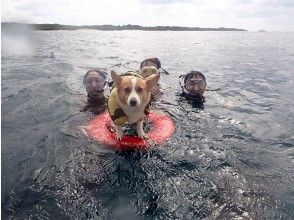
[152, 80]
[116, 78]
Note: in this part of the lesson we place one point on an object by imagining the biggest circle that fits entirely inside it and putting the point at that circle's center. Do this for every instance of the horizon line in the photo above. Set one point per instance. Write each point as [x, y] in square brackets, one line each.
[119, 25]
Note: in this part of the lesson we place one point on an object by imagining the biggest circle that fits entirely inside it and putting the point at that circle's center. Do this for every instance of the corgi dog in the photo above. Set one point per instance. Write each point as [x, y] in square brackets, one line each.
[129, 100]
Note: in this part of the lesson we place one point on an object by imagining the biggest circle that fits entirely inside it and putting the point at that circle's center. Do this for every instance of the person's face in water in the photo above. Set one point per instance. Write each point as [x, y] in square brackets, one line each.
[150, 63]
[196, 85]
[94, 82]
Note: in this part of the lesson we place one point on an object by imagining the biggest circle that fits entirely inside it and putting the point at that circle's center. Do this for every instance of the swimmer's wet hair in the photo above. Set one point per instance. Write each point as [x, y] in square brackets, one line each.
[193, 73]
[155, 61]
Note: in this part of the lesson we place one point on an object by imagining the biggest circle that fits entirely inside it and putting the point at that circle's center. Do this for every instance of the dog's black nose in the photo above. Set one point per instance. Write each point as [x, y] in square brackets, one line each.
[133, 102]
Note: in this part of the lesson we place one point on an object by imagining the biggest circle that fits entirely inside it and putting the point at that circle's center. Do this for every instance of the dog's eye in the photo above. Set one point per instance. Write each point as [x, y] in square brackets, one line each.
[127, 90]
[139, 89]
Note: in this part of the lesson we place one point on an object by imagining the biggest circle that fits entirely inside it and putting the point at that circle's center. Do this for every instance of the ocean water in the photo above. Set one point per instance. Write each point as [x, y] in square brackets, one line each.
[230, 158]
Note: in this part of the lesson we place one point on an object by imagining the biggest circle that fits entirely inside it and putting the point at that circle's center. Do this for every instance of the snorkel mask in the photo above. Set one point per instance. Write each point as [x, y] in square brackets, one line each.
[95, 82]
[193, 84]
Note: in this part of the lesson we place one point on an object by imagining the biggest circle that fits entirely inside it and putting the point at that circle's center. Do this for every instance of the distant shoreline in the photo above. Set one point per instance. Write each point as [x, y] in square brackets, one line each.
[52, 27]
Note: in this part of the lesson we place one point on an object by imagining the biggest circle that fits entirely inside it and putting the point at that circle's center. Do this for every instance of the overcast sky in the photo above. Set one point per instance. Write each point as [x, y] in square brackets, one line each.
[272, 15]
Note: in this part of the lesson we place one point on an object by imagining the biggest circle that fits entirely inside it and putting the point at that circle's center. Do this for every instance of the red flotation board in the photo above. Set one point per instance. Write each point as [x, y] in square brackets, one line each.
[99, 129]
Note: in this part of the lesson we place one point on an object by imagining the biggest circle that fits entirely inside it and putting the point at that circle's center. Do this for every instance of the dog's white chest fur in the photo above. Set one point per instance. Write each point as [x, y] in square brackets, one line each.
[134, 114]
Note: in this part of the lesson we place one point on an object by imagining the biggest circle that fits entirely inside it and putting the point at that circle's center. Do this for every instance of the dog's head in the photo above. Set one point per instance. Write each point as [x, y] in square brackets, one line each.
[134, 91]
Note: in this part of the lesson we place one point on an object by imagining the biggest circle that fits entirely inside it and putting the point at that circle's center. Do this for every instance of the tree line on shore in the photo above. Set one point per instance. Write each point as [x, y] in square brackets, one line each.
[48, 27]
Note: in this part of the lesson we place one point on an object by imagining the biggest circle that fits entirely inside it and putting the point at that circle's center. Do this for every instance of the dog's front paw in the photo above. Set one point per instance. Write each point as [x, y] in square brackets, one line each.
[119, 136]
[118, 133]
[142, 135]
[140, 131]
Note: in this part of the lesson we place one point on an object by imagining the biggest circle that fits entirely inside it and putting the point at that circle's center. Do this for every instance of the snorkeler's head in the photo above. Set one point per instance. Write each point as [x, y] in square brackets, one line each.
[194, 83]
[151, 62]
[95, 81]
